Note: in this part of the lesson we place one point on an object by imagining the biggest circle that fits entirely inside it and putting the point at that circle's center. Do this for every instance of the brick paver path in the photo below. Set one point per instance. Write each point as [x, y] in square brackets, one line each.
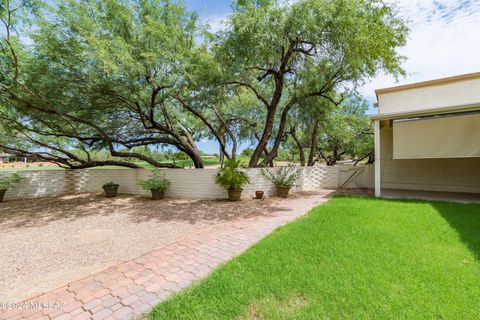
[133, 287]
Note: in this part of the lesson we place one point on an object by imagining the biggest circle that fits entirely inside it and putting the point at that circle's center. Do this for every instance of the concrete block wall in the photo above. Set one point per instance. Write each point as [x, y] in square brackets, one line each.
[186, 183]
[361, 177]
[38, 184]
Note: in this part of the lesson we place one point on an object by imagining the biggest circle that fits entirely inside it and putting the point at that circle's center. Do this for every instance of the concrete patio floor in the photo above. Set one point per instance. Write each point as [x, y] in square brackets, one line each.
[431, 195]
[131, 288]
[416, 195]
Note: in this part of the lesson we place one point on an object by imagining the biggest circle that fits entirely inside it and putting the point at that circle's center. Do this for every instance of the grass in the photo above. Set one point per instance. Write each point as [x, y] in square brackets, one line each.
[353, 258]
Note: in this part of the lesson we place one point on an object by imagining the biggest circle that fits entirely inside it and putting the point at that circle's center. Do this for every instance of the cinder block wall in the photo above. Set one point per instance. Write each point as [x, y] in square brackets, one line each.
[186, 183]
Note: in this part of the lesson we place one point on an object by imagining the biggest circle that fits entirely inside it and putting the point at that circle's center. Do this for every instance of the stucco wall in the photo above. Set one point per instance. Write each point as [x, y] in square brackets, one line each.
[466, 92]
[192, 184]
[452, 175]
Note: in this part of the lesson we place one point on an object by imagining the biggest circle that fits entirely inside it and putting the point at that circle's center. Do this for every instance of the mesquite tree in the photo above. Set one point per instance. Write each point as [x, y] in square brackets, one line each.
[103, 74]
[346, 132]
[286, 53]
[119, 74]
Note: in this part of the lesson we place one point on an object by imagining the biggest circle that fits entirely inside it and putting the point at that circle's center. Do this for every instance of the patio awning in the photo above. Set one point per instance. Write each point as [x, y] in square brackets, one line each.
[445, 136]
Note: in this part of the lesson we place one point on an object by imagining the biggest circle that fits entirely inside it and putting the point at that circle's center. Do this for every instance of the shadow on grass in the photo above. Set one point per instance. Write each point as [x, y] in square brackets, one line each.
[465, 219]
[462, 217]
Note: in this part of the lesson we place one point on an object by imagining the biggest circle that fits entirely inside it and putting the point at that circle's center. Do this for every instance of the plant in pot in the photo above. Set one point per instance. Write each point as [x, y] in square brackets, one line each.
[111, 189]
[283, 179]
[158, 184]
[6, 182]
[232, 178]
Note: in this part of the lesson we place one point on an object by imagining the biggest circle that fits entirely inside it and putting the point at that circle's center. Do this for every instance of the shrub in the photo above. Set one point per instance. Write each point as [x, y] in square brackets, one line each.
[6, 182]
[110, 185]
[157, 182]
[285, 176]
[231, 176]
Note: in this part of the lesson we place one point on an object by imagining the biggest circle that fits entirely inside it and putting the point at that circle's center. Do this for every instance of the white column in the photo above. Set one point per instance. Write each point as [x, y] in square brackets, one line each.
[378, 177]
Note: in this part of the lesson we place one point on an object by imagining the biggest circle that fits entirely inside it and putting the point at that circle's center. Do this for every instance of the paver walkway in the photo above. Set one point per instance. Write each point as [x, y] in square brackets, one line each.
[133, 287]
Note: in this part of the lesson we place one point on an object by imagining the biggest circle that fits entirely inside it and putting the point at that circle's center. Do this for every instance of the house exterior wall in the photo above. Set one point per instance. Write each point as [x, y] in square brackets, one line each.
[450, 175]
[458, 93]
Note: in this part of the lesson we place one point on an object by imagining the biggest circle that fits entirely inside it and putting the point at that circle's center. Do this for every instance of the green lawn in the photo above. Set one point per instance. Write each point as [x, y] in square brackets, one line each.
[353, 258]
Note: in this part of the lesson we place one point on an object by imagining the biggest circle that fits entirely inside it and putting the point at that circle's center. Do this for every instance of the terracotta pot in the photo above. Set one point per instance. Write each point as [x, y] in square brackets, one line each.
[158, 194]
[282, 191]
[2, 194]
[234, 194]
[111, 192]
[259, 194]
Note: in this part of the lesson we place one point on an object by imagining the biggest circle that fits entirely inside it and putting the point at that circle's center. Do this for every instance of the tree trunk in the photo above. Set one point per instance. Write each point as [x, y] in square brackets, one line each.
[301, 150]
[371, 158]
[313, 145]
[222, 157]
[262, 143]
[196, 158]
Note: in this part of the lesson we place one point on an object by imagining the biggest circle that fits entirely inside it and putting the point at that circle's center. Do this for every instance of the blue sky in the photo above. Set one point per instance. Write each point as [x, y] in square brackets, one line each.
[210, 8]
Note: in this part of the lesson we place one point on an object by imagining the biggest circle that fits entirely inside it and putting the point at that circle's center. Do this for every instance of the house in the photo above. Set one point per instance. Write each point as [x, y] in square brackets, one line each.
[7, 157]
[427, 136]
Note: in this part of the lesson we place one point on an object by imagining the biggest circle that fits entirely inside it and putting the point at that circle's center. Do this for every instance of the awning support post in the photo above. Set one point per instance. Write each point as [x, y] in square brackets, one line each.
[378, 178]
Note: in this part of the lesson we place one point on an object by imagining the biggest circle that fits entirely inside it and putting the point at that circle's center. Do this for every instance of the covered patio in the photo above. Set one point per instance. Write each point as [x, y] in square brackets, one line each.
[461, 197]
[427, 140]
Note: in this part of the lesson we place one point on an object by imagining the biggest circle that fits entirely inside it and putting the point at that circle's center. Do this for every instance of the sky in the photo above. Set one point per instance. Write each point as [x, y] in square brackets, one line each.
[444, 40]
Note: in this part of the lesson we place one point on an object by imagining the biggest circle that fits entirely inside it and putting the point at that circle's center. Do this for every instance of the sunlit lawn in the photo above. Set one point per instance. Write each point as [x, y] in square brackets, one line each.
[353, 258]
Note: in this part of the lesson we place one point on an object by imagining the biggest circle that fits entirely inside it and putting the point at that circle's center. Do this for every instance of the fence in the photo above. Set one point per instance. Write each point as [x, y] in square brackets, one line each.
[192, 184]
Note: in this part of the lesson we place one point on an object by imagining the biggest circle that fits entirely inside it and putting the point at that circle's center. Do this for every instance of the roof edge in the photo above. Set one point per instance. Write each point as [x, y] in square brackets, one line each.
[424, 112]
[429, 83]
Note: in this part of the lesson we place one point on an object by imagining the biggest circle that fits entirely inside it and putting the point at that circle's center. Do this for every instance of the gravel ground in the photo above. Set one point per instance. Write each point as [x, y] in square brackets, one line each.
[46, 243]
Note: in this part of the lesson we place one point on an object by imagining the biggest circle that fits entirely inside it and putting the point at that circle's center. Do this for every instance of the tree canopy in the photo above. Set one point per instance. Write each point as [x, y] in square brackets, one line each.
[116, 75]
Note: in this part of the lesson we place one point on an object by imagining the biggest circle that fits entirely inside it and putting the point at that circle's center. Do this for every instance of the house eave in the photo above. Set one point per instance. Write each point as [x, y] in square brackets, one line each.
[426, 112]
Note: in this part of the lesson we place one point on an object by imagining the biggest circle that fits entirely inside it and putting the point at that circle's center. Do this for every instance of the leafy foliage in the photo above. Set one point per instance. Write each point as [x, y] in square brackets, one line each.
[8, 181]
[231, 176]
[284, 176]
[116, 75]
[284, 53]
[346, 132]
[158, 182]
[110, 185]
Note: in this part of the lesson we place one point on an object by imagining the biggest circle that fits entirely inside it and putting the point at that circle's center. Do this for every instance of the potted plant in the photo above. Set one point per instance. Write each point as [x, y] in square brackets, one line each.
[283, 179]
[259, 194]
[111, 189]
[158, 184]
[232, 178]
[6, 182]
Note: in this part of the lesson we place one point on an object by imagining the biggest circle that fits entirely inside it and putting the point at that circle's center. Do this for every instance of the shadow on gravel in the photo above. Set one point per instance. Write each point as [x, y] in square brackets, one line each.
[37, 212]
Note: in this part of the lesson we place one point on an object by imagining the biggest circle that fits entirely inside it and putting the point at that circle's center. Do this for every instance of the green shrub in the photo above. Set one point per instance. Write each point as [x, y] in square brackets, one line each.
[110, 185]
[157, 182]
[285, 176]
[231, 176]
[6, 182]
